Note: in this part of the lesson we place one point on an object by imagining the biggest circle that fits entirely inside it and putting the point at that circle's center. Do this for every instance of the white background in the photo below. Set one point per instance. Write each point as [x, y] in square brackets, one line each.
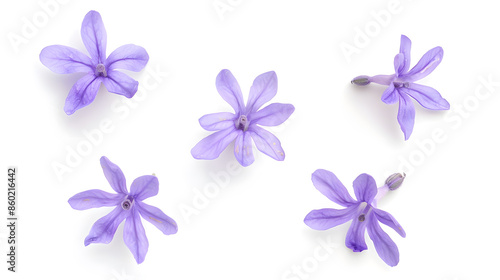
[253, 228]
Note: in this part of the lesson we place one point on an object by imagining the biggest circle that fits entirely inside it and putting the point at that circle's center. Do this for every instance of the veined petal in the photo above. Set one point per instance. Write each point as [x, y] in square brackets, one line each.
[365, 188]
[104, 229]
[155, 216]
[94, 36]
[114, 175]
[388, 220]
[386, 248]
[229, 90]
[119, 83]
[243, 148]
[273, 114]
[266, 142]
[212, 146]
[65, 60]
[355, 238]
[406, 115]
[263, 89]
[129, 57]
[399, 64]
[426, 65]
[144, 187]
[326, 218]
[390, 95]
[82, 93]
[330, 186]
[427, 97]
[217, 121]
[94, 199]
[405, 49]
[134, 236]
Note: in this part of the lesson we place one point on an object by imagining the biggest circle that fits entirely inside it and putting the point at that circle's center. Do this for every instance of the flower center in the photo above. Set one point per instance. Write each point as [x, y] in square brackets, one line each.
[128, 202]
[361, 218]
[242, 123]
[100, 70]
[401, 84]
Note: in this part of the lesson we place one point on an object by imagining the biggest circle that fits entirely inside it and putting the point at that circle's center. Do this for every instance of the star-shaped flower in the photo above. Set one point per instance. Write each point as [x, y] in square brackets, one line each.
[402, 86]
[362, 212]
[98, 68]
[128, 207]
[244, 124]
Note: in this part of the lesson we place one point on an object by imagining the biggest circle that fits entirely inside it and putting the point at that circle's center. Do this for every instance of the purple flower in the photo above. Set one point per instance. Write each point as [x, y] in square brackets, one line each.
[362, 212]
[128, 207]
[402, 86]
[244, 124]
[98, 68]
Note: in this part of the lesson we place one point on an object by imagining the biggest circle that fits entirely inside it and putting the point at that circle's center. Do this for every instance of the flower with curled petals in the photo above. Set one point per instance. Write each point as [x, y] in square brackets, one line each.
[129, 206]
[362, 212]
[98, 68]
[402, 86]
[244, 125]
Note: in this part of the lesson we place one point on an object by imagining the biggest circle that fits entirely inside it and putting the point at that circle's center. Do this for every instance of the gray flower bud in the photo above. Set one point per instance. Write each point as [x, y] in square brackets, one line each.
[395, 181]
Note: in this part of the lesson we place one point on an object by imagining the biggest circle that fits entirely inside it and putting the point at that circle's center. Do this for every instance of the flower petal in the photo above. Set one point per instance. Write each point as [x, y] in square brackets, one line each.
[134, 236]
[330, 186]
[155, 216]
[65, 60]
[429, 61]
[355, 238]
[229, 90]
[243, 148]
[82, 93]
[406, 115]
[114, 175]
[212, 146]
[144, 187]
[386, 248]
[267, 143]
[94, 199]
[405, 49]
[263, 89]
[129, 57]
[390, 95]
[388, 220]
[399, 64]
[365, 188]
[104, 229]
[427, 97]
[119, 83]
[322, 219]
[273, 114]
[217, 121]
[94, 36]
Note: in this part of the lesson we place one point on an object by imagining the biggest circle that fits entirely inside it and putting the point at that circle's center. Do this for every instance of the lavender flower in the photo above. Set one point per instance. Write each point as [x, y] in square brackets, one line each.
[243, 125]
[402, 86]
[98, 68]
[362, 212]
[128, 207]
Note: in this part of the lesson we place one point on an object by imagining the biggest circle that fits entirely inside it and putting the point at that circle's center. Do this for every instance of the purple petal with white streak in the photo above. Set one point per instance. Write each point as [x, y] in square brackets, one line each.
[94, 36]
[94, 199]
[212, 146]
[82, 93]
[65, 60]
[134, 236]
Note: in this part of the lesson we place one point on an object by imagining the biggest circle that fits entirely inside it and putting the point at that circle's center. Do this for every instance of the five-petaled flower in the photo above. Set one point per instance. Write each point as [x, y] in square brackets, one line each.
[243, 125]
[128, 207]
[362, 212]
[402, 86]
[98, 68]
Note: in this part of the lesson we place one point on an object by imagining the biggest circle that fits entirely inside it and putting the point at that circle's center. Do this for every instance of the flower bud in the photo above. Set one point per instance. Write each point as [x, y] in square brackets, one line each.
[395, 180]
[361, 80]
